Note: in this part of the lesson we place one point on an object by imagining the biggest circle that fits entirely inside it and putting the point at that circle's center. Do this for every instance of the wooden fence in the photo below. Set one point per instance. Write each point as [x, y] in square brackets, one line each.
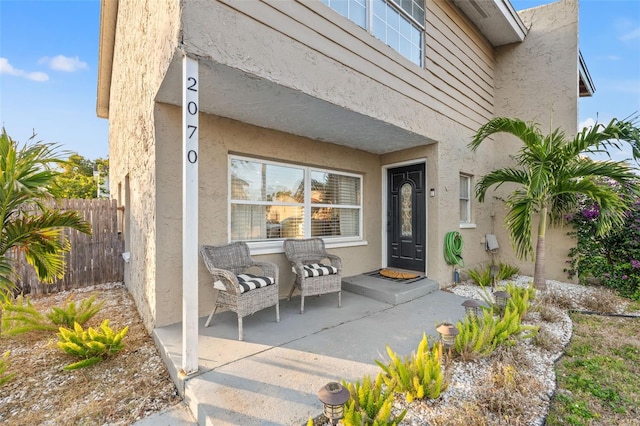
[92, 259]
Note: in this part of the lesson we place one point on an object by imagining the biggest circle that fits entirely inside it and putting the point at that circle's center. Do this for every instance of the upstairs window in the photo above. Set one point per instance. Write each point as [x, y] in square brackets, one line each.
[398, 23]
[465, 199]
[273, 201]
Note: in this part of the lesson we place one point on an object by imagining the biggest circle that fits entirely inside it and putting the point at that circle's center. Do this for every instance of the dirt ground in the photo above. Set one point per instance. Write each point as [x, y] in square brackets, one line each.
[119, 391]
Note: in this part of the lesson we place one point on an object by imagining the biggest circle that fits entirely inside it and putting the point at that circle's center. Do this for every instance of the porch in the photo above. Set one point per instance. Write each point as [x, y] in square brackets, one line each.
[273, 376]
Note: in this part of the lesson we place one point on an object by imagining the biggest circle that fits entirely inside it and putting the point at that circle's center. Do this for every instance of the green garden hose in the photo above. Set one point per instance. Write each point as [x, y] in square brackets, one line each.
[453, 248]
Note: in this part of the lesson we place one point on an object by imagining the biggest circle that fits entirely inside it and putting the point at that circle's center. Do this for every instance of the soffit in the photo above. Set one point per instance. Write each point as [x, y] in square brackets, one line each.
[496, 19]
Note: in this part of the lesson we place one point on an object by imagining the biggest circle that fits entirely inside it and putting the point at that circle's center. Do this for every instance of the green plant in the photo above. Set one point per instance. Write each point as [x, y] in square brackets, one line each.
[70, 314]
[370, 404]
[510, 327]
[27, 225]
[506, 271]
[418, 375]
[520, 298]
[481, 275]
[91, 345]
[20, 316]
[475, 337]
[4, 366]
[551, 172]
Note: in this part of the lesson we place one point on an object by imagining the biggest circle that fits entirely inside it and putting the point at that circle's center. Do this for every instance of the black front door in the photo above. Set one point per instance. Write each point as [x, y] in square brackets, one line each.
[406, 217]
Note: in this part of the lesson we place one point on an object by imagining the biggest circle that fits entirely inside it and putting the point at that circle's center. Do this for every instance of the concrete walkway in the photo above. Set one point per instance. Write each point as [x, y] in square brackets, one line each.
[272, 377]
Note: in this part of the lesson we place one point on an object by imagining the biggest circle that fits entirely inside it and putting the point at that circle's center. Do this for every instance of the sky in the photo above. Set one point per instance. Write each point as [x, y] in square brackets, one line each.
[49, 68]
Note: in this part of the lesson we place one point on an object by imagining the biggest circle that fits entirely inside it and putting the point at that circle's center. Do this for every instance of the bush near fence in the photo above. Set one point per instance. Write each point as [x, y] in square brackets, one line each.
[92, 259]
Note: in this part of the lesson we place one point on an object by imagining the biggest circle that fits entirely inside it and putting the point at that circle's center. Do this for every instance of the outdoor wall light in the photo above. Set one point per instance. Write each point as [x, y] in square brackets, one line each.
[448, 333]
[432, 192]
[501, 299]
[472, 308]
[333, 397]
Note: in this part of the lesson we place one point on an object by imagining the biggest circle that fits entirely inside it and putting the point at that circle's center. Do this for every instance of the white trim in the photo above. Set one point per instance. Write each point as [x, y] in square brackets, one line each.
[383, 207]
[275, 245]
[190, 134]
[468, 226]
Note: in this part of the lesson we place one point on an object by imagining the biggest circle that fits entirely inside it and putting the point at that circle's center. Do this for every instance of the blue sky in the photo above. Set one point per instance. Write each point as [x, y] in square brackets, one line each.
[49, 59]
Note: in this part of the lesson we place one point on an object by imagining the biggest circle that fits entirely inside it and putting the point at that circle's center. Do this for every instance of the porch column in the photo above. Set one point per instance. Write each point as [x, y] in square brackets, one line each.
[190, 87]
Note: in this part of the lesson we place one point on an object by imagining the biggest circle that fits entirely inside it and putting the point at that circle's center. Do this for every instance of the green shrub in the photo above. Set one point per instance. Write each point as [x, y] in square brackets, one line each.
[91, 345]
[520, 298]
[70, 314]
[506, 271]
[20, 316]
[4, 366]
[476, 336]
[417, 376]
[481, 275]
[370, 404]
[510, 327]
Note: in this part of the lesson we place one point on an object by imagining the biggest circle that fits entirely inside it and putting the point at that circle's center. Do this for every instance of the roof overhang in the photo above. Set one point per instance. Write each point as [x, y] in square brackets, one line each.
[108, 18]
[585, 83]
[496, 19]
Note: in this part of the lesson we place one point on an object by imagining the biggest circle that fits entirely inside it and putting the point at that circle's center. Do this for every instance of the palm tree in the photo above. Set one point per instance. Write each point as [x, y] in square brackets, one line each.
[551, 171]
[28, 225]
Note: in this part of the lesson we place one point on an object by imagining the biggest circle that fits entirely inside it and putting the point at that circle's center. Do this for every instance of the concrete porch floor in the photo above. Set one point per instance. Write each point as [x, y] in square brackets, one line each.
[272, 377]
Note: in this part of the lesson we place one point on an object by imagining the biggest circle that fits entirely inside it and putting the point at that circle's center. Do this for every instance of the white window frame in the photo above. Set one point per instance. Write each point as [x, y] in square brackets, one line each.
[469, 222]
[275, 245]
[395, 5]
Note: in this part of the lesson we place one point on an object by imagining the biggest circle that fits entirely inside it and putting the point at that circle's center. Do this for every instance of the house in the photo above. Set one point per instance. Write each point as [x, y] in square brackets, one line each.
[344, 119]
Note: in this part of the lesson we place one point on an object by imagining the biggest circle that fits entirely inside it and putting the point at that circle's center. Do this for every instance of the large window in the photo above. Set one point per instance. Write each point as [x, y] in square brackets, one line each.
[398, 23]
[272, 201]
[465, 199]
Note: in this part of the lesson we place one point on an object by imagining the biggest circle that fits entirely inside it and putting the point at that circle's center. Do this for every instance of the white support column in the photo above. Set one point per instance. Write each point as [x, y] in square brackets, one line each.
[190, 105]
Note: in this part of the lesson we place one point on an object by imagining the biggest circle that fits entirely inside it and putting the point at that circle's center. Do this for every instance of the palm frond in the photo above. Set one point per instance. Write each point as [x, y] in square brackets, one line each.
[499, 177]
[527, 132]
[518, 220]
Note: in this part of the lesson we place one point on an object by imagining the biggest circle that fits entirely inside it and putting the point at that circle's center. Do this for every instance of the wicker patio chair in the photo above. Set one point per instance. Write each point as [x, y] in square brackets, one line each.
[246, 286]
[312, 276]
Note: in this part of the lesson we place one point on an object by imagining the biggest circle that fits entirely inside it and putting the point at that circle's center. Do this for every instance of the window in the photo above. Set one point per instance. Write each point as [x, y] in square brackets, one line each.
[274, 201]
[465, 199]
[398, 23]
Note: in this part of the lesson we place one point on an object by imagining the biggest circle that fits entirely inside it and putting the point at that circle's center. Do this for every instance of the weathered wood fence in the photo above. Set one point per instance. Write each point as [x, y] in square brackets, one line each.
[92, 259]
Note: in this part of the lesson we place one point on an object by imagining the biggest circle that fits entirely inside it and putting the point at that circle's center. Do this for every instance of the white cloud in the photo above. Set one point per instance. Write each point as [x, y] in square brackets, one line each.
[64, 63]
[588, 123]
[631, 35]
[7, 68]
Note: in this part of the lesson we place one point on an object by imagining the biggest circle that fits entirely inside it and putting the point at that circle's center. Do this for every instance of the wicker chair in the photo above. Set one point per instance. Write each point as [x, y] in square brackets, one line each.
[312, 276]
[241, 293]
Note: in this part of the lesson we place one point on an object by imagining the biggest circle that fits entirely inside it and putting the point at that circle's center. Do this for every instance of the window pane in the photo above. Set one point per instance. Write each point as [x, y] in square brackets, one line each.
[330, 221]
[251, 180]
[255, 223]
[406, 209]
[464, 211]
[331, 188]
[464, 187]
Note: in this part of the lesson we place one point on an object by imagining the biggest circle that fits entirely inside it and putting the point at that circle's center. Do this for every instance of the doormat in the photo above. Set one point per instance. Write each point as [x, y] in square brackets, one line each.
[396, 276]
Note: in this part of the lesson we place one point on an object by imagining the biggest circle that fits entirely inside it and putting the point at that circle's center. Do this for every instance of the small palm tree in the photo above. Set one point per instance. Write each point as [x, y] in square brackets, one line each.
[28, 225]
[551, 172]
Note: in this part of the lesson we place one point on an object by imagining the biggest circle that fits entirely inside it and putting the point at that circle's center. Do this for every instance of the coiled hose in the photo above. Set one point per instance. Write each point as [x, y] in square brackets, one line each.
[453, 248]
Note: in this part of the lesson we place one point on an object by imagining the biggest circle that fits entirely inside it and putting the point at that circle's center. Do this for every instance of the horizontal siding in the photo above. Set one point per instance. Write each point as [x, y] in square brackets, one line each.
[460, 60]
[459, 91]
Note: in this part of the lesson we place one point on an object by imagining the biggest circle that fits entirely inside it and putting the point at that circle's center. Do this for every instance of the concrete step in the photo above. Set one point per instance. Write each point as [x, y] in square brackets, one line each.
[388, 291]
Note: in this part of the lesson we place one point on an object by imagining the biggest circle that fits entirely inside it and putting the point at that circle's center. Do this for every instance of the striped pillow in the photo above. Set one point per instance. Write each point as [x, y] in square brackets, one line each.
[318, 270]
[250, 282]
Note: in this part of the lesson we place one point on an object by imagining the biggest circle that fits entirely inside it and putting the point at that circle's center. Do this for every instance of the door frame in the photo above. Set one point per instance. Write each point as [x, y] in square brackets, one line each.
[383, 208]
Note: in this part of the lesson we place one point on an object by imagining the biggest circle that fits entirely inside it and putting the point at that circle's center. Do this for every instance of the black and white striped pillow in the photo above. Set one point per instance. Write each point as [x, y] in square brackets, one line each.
[250, 282]
[318, 270]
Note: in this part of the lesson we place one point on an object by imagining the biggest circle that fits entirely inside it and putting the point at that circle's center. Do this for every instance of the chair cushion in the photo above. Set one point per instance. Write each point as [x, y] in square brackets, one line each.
[318, 270]
[251, 282]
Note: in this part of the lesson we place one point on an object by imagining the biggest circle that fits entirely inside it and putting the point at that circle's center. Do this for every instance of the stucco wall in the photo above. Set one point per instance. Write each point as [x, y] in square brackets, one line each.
[220, 137]
[146, 36]
[537, 81]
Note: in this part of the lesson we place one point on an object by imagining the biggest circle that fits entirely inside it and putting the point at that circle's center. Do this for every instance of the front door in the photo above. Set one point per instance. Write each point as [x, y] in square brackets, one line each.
[406, 217]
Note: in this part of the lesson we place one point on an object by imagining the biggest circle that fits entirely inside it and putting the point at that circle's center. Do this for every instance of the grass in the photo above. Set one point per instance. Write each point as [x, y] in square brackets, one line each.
[598, 374]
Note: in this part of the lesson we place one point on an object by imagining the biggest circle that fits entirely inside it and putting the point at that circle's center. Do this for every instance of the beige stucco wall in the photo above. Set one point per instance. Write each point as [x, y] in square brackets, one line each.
[146, 36]
[537, 81]
[220, 137]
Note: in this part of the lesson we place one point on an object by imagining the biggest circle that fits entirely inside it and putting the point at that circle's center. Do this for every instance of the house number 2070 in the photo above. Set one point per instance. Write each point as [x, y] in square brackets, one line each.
[192, 119]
